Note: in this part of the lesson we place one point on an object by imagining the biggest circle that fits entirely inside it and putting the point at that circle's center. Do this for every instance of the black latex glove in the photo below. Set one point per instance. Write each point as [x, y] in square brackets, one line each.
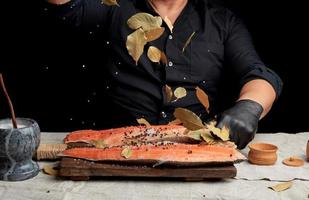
[242, 121]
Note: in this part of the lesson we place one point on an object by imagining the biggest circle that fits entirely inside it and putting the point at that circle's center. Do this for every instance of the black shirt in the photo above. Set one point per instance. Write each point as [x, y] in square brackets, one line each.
[220, 43]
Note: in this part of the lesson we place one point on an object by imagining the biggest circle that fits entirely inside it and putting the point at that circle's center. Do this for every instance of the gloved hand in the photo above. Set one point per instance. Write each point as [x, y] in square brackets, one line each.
[242, 121]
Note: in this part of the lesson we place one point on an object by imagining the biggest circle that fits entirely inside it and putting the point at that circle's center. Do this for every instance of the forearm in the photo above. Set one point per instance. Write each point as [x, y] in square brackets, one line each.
[58, 2]
[261, 92]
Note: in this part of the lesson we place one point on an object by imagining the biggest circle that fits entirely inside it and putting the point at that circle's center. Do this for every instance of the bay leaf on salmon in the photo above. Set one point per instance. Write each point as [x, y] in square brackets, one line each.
[223, 133]
[195, 134]
[143, 121]
[207, 137]
[126, 152]
[98, 143]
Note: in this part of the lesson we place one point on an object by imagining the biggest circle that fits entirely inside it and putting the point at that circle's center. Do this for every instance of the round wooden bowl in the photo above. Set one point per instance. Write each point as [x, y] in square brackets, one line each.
[262, 154]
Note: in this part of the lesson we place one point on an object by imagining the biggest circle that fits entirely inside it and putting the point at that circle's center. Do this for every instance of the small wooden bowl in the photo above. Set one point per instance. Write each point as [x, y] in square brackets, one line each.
[262, 154]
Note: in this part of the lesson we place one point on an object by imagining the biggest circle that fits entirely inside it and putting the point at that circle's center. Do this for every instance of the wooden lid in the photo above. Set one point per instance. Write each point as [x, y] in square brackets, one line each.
[293, 161]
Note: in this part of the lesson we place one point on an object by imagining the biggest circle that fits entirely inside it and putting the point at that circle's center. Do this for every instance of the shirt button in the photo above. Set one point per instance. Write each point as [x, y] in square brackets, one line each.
[170, 63]
[163, 114]
[170, 37]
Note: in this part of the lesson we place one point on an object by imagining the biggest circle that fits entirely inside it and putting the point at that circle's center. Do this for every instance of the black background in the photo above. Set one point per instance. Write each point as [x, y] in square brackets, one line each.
[43, 65]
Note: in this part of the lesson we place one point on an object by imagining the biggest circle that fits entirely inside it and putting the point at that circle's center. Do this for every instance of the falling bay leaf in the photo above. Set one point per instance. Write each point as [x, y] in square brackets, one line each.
[203, 98]
[143, 121]
[163, 58]
[282, 186]
[135, 44]
[223, 133]
[110, 2]
[99, 144]
[189, 119]
[168, 23]
[126, 152]
[154, 34]
[145, 21]
[50, 170]
[180, 92]
[154, 54]
[188, 42]
[169, 93]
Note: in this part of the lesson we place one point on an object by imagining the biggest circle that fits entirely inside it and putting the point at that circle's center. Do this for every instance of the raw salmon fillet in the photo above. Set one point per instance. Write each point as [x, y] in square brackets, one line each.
[133, 135]
[170, 154]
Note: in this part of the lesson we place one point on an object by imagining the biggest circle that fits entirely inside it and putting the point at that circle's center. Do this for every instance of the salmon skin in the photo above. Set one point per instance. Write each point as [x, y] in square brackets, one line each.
[175, 154]
[132, 135]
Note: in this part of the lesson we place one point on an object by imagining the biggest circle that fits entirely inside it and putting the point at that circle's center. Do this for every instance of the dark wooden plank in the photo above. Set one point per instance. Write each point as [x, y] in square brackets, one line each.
[70, 167]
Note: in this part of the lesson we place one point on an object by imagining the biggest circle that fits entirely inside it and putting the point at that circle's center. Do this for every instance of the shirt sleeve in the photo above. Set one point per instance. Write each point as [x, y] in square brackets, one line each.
[241, 55]
[84, 14]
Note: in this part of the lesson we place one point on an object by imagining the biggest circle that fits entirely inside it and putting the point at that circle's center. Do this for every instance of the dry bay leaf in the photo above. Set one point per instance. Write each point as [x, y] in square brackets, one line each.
[223, 133]
[188, 42]
[163, 58]
[110, 2]
[99, 144]
[168, 23]
[175, 122]
[169, 93]
[180, 92]
[143, 121]
[154, 34]
[154, 54]
[203, 98]
[207, 137]
[145, 21]
[282, 186]
[126, 152]
[189, 119]
[135, 44]
[50, 170]
[196, 135]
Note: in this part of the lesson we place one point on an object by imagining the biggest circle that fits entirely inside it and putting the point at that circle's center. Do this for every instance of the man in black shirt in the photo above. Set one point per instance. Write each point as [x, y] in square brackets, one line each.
[205, 42]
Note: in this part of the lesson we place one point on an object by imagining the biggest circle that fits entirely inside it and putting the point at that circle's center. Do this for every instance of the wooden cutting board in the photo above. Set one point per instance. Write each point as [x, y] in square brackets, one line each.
[78, 169]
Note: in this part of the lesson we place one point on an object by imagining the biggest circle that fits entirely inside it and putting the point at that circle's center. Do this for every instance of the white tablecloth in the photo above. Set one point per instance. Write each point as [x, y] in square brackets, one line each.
[288, 145]
[249, 183]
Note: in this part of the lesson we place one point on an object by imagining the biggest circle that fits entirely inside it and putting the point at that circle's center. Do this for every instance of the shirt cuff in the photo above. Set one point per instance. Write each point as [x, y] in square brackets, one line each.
[266, 74]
